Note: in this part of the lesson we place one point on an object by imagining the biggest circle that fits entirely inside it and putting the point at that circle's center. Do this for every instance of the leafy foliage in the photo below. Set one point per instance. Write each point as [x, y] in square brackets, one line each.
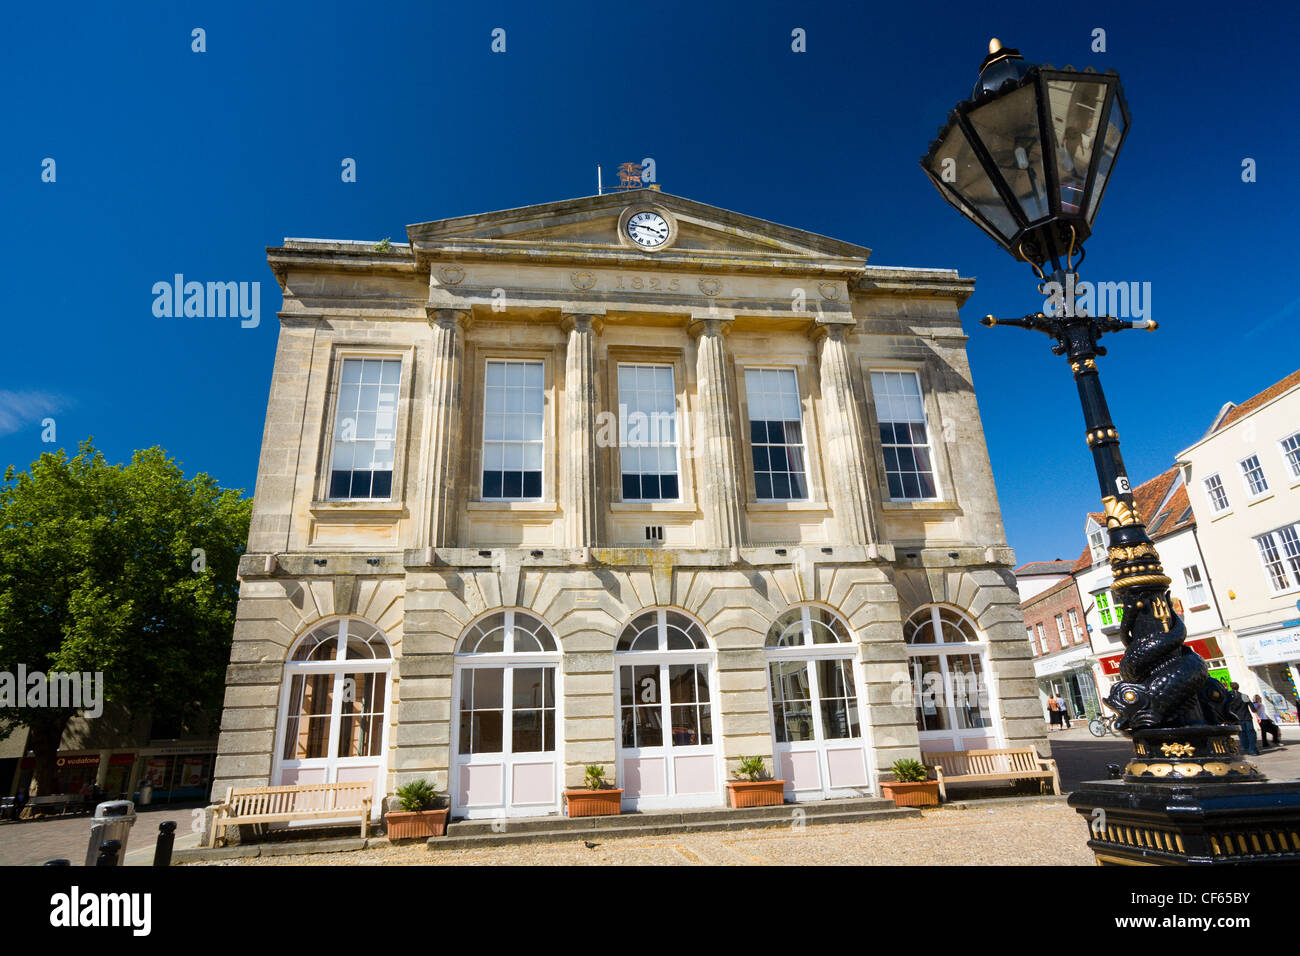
[418, 795]
[751, 768]
[98, 572]
[907, 770]
[595, 777]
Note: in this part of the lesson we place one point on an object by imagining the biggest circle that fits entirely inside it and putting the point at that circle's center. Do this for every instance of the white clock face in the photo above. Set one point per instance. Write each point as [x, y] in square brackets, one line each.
[648, 229]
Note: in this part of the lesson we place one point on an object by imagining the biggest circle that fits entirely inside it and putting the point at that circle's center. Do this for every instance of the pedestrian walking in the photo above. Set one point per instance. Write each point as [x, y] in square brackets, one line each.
[1065, 710]
[1267, 727]
[1243, 713]
[1053, 713]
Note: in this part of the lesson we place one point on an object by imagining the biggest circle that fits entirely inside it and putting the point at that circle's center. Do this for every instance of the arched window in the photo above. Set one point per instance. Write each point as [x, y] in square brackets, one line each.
[334, 705]
[948, 661]
[816, 722]
[667, 754]
[662, 630]
[807, 625]
[506, 716]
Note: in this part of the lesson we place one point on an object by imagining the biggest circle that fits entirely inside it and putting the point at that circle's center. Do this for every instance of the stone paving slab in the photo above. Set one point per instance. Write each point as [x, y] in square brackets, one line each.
[999, 833]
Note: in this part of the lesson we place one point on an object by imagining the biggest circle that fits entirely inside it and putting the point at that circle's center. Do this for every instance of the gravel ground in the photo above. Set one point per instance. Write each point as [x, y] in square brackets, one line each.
[1048, 834]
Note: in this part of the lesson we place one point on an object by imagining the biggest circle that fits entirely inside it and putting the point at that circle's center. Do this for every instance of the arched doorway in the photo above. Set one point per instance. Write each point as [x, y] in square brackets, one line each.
[668, 754]
[334, 703]
[505, 753]
[816, 714]
[948, 661]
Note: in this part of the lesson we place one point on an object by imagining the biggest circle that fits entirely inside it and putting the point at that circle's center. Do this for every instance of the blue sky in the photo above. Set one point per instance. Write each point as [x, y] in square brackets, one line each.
[173, 161]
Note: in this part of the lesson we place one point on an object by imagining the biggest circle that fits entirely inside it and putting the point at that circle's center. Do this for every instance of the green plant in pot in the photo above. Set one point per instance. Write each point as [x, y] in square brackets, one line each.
[754, 786]
[420, 816]
[599, 798]
[911, 786]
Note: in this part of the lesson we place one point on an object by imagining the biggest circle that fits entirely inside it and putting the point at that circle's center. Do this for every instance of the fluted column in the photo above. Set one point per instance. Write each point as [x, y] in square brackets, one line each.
[580, 501]
[446, 374]
[718, 474]
[844, 439]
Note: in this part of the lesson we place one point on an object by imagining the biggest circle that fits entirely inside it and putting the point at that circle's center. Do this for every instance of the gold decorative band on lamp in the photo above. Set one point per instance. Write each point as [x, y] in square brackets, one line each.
[1120, 514]
[1133, 552]
[1138, 580]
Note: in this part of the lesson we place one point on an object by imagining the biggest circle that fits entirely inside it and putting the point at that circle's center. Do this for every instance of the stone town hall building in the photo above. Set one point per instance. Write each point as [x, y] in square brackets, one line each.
[627, 480]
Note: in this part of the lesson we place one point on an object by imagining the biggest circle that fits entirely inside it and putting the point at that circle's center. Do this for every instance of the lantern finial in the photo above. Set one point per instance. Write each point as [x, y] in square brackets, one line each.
[994, 45]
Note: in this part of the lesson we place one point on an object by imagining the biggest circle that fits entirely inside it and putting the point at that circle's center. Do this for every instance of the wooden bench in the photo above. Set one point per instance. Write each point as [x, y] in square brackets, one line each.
[50, 803]
[983, 766]
[312, 801]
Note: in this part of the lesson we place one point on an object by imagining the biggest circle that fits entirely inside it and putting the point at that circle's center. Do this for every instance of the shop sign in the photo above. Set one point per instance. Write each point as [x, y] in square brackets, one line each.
[1271, 648]
[1110, 663]
[91, 760]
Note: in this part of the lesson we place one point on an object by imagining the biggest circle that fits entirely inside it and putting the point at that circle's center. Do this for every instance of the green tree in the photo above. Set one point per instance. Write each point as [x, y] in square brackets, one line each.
[98, 572]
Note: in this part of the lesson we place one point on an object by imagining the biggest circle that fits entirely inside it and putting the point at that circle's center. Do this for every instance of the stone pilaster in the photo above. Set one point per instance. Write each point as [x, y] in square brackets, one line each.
[718, 474]
[580, 497]
[447, 369]
[844, 440]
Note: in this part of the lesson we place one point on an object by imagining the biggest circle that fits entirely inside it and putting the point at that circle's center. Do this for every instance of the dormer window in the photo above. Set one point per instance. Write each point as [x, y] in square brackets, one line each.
[1097, 542]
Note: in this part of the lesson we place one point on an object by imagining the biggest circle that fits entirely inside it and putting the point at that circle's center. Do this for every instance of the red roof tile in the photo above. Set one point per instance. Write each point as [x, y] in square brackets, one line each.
[1249, 405]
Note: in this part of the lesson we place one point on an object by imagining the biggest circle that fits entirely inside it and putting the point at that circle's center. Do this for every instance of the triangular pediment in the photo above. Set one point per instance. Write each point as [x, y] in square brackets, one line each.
[592, 224]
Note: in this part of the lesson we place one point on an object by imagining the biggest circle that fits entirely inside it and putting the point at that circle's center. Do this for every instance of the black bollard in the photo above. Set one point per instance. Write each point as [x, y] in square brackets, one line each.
[162, 851]
[58, 863]
[108, 853]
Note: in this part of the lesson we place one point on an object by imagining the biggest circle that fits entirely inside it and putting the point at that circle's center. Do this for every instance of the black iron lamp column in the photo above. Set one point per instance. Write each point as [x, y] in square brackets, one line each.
[1027, 159]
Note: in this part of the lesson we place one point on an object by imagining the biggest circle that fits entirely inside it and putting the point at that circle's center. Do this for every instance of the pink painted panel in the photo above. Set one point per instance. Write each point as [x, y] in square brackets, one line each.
[533, 783]
[292, 778]
[480, 786]
[799, 770]
[847, 767]
[356, 774]
[938, 746]
[695, 774]
[644, 777]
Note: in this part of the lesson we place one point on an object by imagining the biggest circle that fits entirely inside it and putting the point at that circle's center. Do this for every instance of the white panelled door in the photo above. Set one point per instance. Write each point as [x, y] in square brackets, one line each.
[506, 701]
[816, 727]
[667, 755]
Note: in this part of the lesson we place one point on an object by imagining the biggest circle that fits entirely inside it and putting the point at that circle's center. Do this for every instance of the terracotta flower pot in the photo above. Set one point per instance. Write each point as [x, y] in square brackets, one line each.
[924, 793]
[756, 793]
[593, 803]
[416, 824]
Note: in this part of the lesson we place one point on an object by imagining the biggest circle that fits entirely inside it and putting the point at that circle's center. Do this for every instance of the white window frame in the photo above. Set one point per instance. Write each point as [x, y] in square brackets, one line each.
[803, 432]
[1212, 483]
[663, 658]
[506, 660]
[1060, 631]
[335, 423]
[1251, 493]
[339, 668]
[929, 434]
[1290, 456]
[1097, 544]
[1287, 558]
[483, 439]
[1195, 587]
[809, 653]
[1076, 631]
[622, 430]
[978, 648]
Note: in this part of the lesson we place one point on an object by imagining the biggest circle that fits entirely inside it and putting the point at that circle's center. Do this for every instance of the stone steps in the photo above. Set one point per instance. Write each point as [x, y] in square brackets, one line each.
[467, 834]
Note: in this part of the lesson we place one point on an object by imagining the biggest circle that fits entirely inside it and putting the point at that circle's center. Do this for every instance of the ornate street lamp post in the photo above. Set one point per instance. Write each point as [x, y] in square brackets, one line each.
[1027, 159]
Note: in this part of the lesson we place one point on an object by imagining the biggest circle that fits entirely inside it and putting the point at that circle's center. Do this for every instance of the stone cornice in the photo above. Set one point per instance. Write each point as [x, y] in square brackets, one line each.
[938, 283]
[601, 254]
